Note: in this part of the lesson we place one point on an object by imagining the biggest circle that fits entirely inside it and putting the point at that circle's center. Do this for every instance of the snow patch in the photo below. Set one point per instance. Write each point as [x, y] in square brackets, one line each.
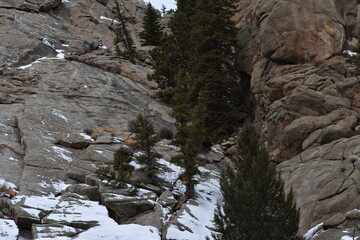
[48, 43]
[350, 53]
[85, 136]
[62, 153]
[172, 175]
[13, 159]
[199, 216]
[348, 238]
[312, 231]
[8, 229]
[109, 19]
[6, 184]
[59, 114]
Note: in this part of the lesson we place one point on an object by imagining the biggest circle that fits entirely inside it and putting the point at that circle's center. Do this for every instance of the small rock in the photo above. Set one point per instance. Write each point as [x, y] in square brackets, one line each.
[334, 221]
[231, 151]
[353, 214]
[228, 144]
[166, 199]
[53, 230]
[92, 192]
[25, 217]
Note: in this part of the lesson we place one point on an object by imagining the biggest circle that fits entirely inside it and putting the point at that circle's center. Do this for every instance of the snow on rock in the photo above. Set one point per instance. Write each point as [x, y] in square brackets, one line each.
[311, 233]
[195, 219]
[63, 153]
[59, 114]
[30, 65]
[44, 203]
[171, 173]
[8, 229]
[112, 231]
[6, 185]
[350, 53]
[349, 238]
[85, 136]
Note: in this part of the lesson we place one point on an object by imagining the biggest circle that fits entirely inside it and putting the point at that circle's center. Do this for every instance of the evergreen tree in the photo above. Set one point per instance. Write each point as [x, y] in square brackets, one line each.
[172, 55]
[152, 28]
[166, 66]
[123, 37]
[255, 206]
[211, 67]
[121, 171]
[145, 140]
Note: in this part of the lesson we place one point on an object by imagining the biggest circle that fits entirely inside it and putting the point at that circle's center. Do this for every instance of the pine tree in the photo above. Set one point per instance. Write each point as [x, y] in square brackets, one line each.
[172, 55]
[120, 172]
[211, 66]
[255, 206]
[152, 28]
[123, 37]
[145, 140]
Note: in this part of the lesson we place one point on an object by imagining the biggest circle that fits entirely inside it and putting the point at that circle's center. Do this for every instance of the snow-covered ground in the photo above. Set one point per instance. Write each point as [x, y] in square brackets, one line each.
[199, 213]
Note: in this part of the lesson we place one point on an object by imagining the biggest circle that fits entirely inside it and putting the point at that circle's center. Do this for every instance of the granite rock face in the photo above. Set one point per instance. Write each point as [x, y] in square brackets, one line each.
[50, 94]
[306, 100]
[294, 32]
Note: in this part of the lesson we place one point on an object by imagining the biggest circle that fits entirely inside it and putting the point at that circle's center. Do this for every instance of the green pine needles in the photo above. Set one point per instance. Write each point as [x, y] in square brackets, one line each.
[145, 140]
[255, 205]
[120, 173]
[194, 67]
[123, 38]
[152, 28]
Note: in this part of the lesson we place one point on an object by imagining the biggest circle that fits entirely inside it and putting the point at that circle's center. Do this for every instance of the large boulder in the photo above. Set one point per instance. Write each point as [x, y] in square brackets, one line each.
[325, 181]
[294, 32]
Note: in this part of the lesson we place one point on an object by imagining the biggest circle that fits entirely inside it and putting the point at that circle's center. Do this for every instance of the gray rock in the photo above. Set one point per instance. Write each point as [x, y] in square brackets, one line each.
[166, 199]
[353, 214]
[123, 208]
[153, 218]
[91, 192]
[53, 231]
[334, 221]
[25, 217]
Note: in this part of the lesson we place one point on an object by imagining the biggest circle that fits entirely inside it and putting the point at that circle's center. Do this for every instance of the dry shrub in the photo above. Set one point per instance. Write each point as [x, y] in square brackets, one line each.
[96, 132]
[166, 133]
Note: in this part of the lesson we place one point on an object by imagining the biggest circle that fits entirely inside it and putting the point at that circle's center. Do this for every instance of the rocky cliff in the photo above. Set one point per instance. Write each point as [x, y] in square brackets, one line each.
[307, 102]
[59, 79]
[65, 103]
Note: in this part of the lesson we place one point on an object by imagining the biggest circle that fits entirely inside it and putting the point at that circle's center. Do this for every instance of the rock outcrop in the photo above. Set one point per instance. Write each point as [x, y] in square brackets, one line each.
[65, 102]
[306, 101]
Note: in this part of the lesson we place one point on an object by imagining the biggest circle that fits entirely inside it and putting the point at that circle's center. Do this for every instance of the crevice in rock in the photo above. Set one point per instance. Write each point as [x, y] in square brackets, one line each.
[337, 193]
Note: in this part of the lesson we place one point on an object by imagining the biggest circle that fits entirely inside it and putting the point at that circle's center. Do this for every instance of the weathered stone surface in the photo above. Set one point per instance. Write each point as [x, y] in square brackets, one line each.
[325, 180]
[153, 218]
[166, 199]
[123, 208]
[334, 221]
[353, 214]
[297, 32]
[53, 231]
[25, 217]
[335, 234]
[91, 192]
[74, 140]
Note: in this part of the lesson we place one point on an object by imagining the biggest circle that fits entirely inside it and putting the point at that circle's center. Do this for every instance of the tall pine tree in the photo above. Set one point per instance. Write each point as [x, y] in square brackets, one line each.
[194, 66]
[255, 205]
[152, 28]
[123, 37]
[172, 55]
